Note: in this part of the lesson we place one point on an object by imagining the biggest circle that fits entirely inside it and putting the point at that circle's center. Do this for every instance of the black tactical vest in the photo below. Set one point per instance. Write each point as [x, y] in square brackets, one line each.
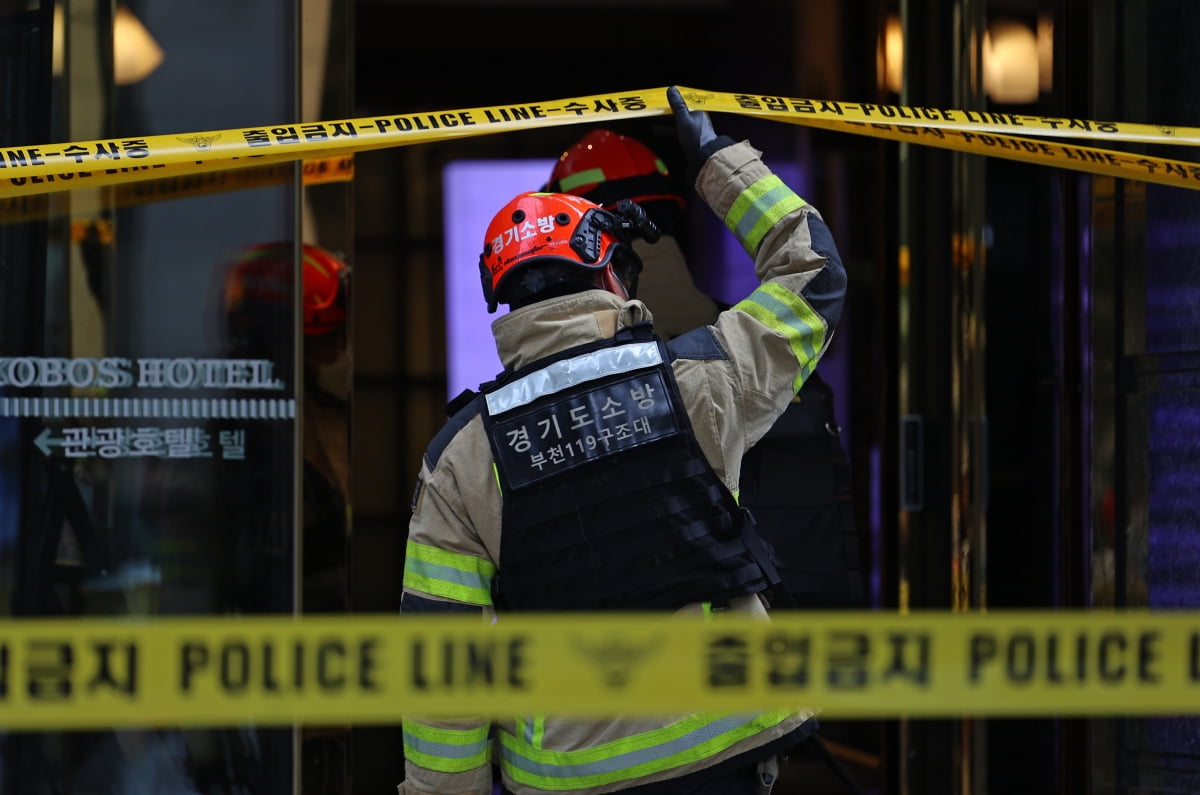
[796, 480]
[609, 503]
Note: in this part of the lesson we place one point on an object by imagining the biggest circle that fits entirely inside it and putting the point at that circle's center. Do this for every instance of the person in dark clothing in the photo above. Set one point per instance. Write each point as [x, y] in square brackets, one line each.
[796, 479]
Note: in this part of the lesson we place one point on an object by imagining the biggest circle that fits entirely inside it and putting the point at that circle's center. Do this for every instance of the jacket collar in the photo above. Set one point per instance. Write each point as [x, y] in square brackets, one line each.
[547, 327]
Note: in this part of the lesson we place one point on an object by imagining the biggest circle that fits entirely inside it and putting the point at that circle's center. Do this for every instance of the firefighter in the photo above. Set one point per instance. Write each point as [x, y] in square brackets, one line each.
[796, 480]
[643, 517]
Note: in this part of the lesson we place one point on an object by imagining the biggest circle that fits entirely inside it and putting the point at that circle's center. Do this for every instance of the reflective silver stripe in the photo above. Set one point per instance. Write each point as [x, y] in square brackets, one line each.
[570, 372]
[433, 571]
[444, 750]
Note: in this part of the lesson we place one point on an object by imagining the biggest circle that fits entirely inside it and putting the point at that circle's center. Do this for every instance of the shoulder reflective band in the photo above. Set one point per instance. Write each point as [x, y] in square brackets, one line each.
[211, 671]
[567, 373]
[48, 168]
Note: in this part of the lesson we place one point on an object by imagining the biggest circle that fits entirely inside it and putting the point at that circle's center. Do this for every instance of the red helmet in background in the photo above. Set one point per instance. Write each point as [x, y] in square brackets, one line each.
[540, 240]
[261, 277]
[326, 281]
[605, 167]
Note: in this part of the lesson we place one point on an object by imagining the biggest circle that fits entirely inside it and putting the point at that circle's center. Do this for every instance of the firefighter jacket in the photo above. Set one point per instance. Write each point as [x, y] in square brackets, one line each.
[734, 378]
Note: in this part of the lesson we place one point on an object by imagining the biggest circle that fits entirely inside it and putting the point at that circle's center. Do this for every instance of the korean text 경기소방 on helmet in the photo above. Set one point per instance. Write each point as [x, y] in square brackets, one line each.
[540, 245]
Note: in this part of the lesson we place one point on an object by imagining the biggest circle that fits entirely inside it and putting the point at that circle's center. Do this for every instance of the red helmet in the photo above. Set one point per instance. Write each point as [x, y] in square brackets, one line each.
[262, 275]
[567, 238]
[605, 166]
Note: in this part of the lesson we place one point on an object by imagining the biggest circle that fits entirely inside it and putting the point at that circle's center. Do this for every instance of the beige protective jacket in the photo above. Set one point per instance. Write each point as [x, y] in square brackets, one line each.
[772, 341]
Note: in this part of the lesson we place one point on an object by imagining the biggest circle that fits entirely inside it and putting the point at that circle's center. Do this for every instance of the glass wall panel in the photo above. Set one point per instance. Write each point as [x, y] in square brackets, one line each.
[149, 385]
[327, 383]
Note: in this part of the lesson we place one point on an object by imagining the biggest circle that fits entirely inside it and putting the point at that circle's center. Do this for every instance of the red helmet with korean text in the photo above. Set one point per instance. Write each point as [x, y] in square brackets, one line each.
[261, 276]
[545, 244]
[606, 167]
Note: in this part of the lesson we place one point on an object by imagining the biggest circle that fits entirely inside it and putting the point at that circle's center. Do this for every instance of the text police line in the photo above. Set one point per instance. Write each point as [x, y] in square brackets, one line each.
[75, 673]
[53, 167]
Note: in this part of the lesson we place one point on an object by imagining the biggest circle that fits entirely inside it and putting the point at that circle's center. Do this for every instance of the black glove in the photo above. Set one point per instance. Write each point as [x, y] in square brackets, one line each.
[696, 134]
[693, 127]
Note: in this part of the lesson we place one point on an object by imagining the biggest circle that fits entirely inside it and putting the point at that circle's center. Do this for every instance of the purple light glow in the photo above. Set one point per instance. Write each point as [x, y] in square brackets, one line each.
[1174, 547]
[473, 191]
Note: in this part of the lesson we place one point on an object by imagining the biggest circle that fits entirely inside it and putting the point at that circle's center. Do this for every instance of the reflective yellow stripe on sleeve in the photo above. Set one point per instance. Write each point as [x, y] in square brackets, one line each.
[445, 750]
[449, 575]
[790, 315]
[758, 208]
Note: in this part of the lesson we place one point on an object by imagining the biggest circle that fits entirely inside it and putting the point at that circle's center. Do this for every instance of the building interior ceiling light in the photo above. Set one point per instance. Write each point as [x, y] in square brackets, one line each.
[1017, 61]
[1010, 62]
[136, 54]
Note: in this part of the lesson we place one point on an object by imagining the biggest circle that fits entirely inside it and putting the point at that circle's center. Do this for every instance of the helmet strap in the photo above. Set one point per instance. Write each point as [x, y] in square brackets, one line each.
[610, 281]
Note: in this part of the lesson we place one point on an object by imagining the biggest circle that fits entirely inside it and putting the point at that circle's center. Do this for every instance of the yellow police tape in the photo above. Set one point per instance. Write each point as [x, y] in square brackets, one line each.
[208, 671]
[55, 167]
[313, 171]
